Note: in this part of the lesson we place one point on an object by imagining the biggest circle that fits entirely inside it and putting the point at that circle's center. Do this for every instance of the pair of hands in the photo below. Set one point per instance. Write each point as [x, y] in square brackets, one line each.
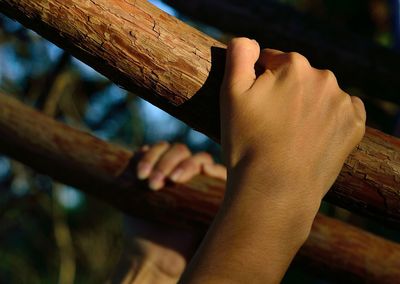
[286, 130]
[293, 121]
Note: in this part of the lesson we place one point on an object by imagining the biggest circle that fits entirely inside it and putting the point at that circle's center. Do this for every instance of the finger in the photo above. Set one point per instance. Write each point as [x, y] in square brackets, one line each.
[359, 108]
[269, 61]
[149, 159]
[275, 62]
[268, 58]
[191, 167]
[166, 164]
[241, 57]
[215, 171]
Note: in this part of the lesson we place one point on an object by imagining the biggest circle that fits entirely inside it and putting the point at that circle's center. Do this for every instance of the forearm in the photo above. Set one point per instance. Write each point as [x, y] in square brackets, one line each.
[254, 237]
[276, 176]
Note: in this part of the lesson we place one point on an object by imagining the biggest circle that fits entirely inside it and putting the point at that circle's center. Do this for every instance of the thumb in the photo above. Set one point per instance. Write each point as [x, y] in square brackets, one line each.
[241, 57]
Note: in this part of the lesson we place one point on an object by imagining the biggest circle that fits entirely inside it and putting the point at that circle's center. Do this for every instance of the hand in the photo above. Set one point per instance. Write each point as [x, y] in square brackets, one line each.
[162, 162]
[292, 121]
[158, 253]
[286, 131]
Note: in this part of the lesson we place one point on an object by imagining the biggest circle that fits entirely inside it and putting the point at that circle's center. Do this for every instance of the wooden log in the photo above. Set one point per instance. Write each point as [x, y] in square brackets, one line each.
[108, 172]
[356, 61]
[137, 46]
[348, 255]
[179, 69]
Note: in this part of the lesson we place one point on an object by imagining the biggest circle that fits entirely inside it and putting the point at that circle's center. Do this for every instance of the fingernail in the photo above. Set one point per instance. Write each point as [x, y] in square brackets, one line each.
[176, 175]
[143, 170]
[156, 179]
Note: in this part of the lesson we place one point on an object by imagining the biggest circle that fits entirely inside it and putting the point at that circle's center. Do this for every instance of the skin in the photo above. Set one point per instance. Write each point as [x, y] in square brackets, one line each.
[175, 162]
[303, 126]
[155, 253]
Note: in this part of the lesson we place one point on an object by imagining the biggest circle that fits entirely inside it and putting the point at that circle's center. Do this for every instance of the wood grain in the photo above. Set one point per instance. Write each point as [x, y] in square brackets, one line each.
[108, 172]
[356, 60]
[179, 69]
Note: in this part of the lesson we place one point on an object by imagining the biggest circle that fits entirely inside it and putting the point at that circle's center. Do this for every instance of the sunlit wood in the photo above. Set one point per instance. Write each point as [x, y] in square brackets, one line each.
[108, 172]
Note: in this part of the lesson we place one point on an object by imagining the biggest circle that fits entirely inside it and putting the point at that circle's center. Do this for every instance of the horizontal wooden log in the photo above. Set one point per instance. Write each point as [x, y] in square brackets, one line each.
[108, 172]
[179, 69]
[348, 255]
[356, 60]
[137, 46]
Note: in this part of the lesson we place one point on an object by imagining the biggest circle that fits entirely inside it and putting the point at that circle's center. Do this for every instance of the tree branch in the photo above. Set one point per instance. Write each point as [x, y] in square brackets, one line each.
[179, 69]
[108, 172]
[356, 61]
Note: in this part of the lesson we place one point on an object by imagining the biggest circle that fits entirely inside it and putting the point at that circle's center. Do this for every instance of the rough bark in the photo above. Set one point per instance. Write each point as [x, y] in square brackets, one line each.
[349, 255]
[179, 69]
[137, 46]
[108, 172]
[355, 60]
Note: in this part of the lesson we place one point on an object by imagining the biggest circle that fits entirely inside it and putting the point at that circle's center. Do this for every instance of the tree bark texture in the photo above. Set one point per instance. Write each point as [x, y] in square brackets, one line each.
[348, 255]
[356, 61]
[179, 69]
[137, 46]
[108, 172]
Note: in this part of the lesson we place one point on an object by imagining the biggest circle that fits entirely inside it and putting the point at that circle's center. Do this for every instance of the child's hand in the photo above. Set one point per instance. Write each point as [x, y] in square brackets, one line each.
[291, 126]
[175, 162]
[157, 253]
[286, 131]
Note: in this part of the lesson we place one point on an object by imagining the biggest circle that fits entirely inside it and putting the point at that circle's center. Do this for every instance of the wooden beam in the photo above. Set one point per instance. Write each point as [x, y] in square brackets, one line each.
[137, 46]
[108, 172]
[356, 60]
[179, 69]
[346, 254]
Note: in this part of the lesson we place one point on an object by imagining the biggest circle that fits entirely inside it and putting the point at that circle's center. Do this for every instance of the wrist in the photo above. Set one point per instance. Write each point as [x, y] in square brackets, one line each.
[267, 233]
[257, 232]
[288, 204]
[289, 216]
[287, 193]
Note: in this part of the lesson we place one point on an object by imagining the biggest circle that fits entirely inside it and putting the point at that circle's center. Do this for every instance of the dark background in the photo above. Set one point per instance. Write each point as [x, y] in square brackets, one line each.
[46, 226]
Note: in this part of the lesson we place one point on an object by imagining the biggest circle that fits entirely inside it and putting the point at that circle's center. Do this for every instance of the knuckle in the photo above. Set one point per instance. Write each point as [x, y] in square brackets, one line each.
[359, 110]
[359, 102]
[328, 76]
[343, 99]
[241, 41]
[360, 124]
[181, 148]
[346, 103]
[296, 59]
[340, 104]
[355, 120]
[358, 129]
[206, 157]
[189, 165]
